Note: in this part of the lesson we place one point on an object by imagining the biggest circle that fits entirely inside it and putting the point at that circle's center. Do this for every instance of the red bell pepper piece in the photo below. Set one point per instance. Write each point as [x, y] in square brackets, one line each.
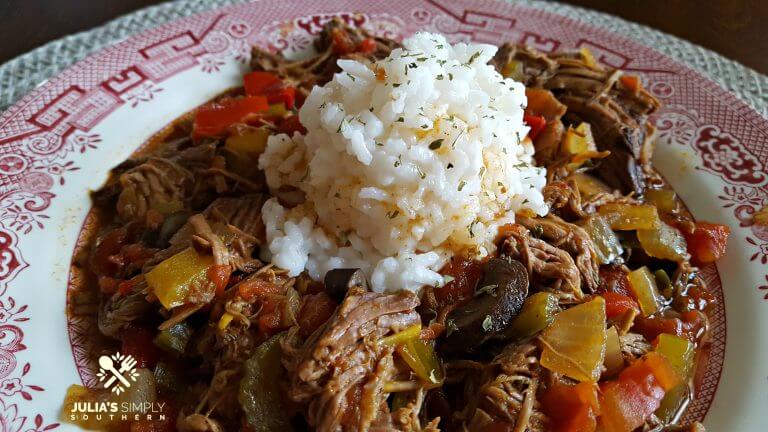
[616, 305]
[214, 119]
[286, 95]
[536, 123]
[572, 408]
[706, 242]
[269, 85]
[626, 402]
[261, 83]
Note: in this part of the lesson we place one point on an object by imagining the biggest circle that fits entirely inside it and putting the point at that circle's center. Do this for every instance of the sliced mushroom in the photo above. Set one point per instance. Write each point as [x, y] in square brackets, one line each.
[498, 299]
[339, 281]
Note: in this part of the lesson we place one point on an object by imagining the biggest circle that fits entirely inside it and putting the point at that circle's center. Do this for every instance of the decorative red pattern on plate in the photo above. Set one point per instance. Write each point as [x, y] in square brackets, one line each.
[40, 135]
[724, 155]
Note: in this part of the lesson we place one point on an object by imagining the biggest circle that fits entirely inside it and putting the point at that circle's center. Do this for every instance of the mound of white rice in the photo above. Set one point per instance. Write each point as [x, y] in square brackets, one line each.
[405, 163]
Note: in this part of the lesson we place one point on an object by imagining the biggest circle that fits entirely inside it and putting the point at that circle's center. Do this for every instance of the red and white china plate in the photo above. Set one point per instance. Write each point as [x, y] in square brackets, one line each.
[60, 141]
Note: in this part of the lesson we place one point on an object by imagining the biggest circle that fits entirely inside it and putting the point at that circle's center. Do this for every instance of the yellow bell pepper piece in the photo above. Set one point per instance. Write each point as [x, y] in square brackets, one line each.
[589, 185]
[579, 140]
[761, 217]
[278, 110]
[664, 199]
[589, 59]
[412, 332]
[422, 359]
[79, 394]
[574, 345]
[225, 319]
[250, 142]
[642, 283]
[513, 69]
[630, 217]
[172, 279]
[663, 242]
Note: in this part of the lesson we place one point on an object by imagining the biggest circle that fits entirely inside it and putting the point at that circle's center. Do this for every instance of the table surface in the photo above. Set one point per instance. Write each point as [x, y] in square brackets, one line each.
[734, 28]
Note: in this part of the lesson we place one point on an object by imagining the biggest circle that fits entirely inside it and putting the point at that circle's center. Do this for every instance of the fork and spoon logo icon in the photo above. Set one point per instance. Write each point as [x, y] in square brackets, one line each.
[117, 372]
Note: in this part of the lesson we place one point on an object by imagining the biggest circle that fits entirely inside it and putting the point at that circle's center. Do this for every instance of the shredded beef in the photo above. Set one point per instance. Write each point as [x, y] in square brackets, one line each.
[549, 266]
[594, 94]
[339, 371]
[161, 183]
[318, 70]
[508, 392]
[571, 238]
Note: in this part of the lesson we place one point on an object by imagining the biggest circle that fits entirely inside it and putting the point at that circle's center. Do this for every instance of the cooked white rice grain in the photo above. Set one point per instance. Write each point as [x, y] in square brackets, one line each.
[401, 173]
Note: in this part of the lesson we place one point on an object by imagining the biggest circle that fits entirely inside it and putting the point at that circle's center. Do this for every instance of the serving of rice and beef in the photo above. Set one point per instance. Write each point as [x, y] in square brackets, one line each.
[417, 236]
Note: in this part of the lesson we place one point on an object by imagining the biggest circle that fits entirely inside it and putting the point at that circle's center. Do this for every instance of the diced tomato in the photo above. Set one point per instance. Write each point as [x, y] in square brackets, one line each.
[706, 242]
[366, 46]
[654, 364]
[291, 124]
[613, 279]
[214, 119]
[219, 276]
[466, 274]
[689, 325]
[626, 402]
[572, 408]
[631, 82]
[137, 341]
[616, 305]
[251, 288]
[315, 310]
[536, 123]
[103, 261]
[270, 317]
